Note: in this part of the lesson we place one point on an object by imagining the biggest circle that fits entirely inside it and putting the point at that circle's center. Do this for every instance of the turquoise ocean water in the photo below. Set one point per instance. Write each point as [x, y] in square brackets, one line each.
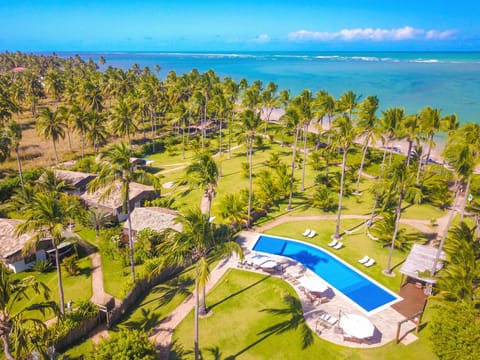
[449, 81]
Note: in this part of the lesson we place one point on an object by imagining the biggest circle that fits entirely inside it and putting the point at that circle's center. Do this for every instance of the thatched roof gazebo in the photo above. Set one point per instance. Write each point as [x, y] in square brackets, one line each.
[419, 263]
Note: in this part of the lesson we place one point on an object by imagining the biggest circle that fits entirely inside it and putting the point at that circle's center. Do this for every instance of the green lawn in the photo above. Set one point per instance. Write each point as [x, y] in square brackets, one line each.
[238, 327]
[71, 285]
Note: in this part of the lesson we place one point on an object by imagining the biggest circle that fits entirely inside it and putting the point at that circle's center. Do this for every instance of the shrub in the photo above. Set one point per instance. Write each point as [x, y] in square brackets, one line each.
[126, 345]
[70, 264]
[42, 266]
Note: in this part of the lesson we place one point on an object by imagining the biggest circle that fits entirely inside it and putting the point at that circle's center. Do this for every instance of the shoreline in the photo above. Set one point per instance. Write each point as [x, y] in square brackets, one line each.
[402, 145]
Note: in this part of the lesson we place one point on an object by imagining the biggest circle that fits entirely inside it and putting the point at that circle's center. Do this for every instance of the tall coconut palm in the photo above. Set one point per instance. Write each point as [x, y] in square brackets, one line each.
[196, 243]
[343, 134]
[123, 118]
[367, 127]
[303, 104]
[20, 325]
[251, 123]
[203, 172]
[48, 215]
[14, 134]
[459, 279]
[96, 133]
[116, 168]
[460, 157]
[324, 105]
[292, 120]
[50, 125]
[284, 101]
[398, 177]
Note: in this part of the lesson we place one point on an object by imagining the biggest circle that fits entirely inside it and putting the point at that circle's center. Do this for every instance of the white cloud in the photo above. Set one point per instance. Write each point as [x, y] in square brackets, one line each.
[398, 34]
[440, 35]
[262, 38]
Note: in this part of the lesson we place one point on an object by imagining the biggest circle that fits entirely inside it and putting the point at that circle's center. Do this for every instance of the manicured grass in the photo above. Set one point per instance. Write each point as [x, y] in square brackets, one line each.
[71, 285]
[238, 328]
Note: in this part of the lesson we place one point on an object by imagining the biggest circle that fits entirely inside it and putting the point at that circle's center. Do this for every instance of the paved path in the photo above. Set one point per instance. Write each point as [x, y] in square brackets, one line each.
[162, 333]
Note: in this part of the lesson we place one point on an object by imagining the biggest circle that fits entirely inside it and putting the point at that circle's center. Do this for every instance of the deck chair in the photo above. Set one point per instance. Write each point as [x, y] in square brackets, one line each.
[307, 232]
[338, 246]
[332, 243]
[312, 234]
[364, 259]
[369, 263]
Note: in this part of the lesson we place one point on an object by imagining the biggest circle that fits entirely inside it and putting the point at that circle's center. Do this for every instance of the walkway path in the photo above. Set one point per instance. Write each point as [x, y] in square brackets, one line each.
[162, 333]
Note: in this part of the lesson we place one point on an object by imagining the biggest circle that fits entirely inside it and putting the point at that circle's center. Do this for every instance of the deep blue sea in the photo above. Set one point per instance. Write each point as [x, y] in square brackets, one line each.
[449, 81]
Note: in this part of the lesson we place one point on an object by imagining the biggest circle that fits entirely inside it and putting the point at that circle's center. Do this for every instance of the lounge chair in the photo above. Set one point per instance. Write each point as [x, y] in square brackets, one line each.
[364, 259]
[307, 232]
[312, 234]
[332, 243]
[328, 320]
[338, 246]
[369, 263]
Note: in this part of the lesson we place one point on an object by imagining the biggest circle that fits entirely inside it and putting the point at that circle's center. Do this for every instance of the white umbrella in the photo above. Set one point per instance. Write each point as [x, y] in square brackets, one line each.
[312, 284]
[269, 264]
[356, 326]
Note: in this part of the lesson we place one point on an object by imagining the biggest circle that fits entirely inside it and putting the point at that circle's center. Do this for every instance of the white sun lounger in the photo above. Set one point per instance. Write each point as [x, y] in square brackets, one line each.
[312, 234]
[369, 263]
[364, 259]
[306, 232]
[332, 243]
[339, 245]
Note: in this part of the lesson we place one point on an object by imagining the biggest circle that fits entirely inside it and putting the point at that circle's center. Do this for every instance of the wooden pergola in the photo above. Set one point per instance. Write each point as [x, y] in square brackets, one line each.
[421, 259]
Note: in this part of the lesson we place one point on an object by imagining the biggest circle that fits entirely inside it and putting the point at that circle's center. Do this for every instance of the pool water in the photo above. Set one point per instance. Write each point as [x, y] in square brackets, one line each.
[356, 286]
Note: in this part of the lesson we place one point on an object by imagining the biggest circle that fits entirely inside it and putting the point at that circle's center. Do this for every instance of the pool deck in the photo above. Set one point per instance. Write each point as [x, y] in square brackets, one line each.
[385, 319]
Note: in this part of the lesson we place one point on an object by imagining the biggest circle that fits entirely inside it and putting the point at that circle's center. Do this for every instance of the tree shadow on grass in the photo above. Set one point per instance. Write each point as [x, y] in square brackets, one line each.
[295, 320]
[239, 292]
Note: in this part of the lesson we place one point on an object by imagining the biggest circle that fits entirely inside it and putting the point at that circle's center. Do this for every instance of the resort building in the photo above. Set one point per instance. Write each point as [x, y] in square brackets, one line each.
[113, 203]
[78, 180]
[155, 218]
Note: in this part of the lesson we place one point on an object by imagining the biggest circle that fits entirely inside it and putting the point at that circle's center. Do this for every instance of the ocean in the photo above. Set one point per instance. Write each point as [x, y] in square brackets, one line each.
[412, 80]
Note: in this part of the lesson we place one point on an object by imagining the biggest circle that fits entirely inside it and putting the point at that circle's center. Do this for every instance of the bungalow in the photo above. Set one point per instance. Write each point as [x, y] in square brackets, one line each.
[155, 218]
[113, 203]
[11, 247]
[79, 180]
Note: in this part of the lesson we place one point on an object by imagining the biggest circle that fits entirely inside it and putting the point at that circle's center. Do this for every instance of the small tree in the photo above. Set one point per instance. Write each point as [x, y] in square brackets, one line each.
[126, 345]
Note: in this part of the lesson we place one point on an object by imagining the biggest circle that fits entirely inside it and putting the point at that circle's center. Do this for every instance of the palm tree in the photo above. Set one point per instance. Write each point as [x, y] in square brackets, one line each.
[367, 127]
[398, 176]
[51, 126]
[96, 130]
[197, 242]
[250, 123]
[19, 325]
[122, 118]
[47, 215]
[343, 134]
[460, 157]
[458, 280]
[303, 104]
[14, 134]
[203, 172]
[116, 167]
[292, 120]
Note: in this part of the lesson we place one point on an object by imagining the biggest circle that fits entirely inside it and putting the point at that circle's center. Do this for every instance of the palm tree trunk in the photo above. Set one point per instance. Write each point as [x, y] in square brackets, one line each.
[410, 145]
[249, 221]
[398, 212]
[69, 141]
[340, 196]
[195, 325]
[130, 236]
[59, 279]
[55, 149]
[220, 150]
[82, 140]
[19, 164]
[464, 203]
[445, 232]
[426, 160]
[362, 162]
[294, 154]
[183, 143]
[6, 347]
[375, 202]
[305, 133]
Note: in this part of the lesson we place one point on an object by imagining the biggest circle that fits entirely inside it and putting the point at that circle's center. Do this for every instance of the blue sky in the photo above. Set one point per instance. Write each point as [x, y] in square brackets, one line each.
[180, 25]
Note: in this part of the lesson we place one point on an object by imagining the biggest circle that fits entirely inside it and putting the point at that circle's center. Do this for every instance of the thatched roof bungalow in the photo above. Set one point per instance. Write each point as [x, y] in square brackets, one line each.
[155, 218]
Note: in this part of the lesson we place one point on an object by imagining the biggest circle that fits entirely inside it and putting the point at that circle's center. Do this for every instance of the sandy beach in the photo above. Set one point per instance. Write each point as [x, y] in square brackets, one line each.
[401, 145]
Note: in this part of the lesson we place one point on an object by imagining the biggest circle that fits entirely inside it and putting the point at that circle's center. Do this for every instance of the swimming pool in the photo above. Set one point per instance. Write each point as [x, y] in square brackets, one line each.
[357, 287]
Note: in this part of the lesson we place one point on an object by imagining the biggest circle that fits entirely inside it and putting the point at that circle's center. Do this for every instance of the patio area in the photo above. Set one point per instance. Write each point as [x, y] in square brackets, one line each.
[330, 302]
